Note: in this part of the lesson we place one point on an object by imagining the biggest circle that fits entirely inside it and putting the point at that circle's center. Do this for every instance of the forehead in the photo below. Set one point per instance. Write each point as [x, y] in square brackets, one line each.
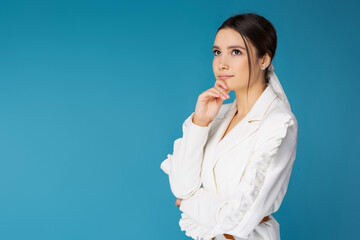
[229, 37]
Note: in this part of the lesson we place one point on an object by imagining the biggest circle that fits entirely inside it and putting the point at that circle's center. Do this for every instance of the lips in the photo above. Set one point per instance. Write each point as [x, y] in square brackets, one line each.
[223, 77]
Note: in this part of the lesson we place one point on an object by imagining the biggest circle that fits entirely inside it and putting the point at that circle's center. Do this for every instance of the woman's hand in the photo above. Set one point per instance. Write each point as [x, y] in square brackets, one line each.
[178, 202]
[209, 103]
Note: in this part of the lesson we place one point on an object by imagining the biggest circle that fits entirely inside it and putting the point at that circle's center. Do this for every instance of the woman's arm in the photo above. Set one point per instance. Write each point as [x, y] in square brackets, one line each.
[184, 165]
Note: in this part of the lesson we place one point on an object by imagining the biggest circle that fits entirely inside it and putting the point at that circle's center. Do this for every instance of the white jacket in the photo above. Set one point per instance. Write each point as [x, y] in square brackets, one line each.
[229, 186]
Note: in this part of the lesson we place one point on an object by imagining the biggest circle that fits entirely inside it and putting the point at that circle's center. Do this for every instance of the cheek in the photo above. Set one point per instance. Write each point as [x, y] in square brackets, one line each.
[214, 64]
[241, 65]
[241, 70]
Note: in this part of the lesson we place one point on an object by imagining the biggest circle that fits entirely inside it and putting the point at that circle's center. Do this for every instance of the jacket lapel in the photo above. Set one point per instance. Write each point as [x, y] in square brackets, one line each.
[245, 128]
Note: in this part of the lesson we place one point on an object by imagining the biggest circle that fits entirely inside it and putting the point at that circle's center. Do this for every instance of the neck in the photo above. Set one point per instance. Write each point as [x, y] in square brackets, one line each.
[246, 101]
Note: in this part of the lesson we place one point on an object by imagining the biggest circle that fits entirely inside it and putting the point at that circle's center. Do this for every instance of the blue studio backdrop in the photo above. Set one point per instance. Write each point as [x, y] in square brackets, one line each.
[93, 94]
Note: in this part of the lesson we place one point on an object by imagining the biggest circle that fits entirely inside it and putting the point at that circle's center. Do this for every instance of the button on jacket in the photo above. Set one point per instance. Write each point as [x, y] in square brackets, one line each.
[229, 185]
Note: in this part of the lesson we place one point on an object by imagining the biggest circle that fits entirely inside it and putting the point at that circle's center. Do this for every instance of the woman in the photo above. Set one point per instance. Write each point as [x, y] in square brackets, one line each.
[231, 168]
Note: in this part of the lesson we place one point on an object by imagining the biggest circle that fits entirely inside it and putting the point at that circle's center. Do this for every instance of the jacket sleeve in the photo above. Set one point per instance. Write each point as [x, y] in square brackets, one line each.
[184, 165]
[259, 192]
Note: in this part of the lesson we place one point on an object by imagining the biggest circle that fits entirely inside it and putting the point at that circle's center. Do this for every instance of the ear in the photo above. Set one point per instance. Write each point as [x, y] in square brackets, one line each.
[265, 60]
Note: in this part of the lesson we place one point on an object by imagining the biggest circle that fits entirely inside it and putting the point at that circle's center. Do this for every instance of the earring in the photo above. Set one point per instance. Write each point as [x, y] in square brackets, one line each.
[263, 67]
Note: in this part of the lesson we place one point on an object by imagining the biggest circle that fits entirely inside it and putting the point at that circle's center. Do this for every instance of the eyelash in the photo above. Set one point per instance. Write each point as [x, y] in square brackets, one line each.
[233, 50]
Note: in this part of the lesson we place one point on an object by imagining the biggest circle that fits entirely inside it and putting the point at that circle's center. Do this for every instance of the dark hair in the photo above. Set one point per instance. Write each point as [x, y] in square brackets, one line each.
[259, 31]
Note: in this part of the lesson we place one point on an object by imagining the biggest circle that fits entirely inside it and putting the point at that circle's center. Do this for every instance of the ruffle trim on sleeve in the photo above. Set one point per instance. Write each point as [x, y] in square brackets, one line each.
[194, 230]
[166, 164]
[252, 182]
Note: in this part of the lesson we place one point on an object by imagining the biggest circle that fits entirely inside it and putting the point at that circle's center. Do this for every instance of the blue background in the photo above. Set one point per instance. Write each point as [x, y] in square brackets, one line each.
[93, 94]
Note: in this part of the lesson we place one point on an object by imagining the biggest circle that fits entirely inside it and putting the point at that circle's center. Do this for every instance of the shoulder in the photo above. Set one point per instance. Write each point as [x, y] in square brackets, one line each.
[278, 127]
[278, 115]
[278, 123]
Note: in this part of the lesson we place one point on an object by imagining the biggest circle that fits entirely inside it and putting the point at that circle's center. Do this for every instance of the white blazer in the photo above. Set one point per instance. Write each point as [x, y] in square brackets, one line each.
[229, 186]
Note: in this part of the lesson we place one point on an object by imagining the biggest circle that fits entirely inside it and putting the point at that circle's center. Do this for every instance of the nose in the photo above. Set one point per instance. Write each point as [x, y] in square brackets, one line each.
[223, 65]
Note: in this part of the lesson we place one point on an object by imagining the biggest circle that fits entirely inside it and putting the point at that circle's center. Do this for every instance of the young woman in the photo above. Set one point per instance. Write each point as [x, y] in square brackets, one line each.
[231, 168]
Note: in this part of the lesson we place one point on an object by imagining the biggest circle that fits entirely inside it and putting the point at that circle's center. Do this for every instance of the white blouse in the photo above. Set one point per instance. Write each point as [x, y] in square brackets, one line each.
[230, 185]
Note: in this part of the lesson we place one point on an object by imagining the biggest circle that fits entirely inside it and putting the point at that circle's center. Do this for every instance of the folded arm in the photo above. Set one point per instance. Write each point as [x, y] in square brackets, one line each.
[184, 165]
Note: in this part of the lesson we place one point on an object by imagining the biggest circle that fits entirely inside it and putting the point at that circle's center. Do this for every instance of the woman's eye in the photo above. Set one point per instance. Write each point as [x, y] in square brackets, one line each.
[237, 51]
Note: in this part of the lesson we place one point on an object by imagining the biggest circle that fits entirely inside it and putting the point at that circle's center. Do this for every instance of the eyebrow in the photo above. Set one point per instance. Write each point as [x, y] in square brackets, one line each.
[230, 47]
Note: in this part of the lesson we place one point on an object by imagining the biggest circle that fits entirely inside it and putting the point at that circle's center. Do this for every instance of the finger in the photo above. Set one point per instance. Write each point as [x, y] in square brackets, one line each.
[212, 93]
[223, 84]
[222, 95]
[222, 91]
[217, 94]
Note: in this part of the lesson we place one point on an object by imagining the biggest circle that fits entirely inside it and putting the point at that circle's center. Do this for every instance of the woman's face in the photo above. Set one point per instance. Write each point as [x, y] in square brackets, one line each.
[230, 58]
